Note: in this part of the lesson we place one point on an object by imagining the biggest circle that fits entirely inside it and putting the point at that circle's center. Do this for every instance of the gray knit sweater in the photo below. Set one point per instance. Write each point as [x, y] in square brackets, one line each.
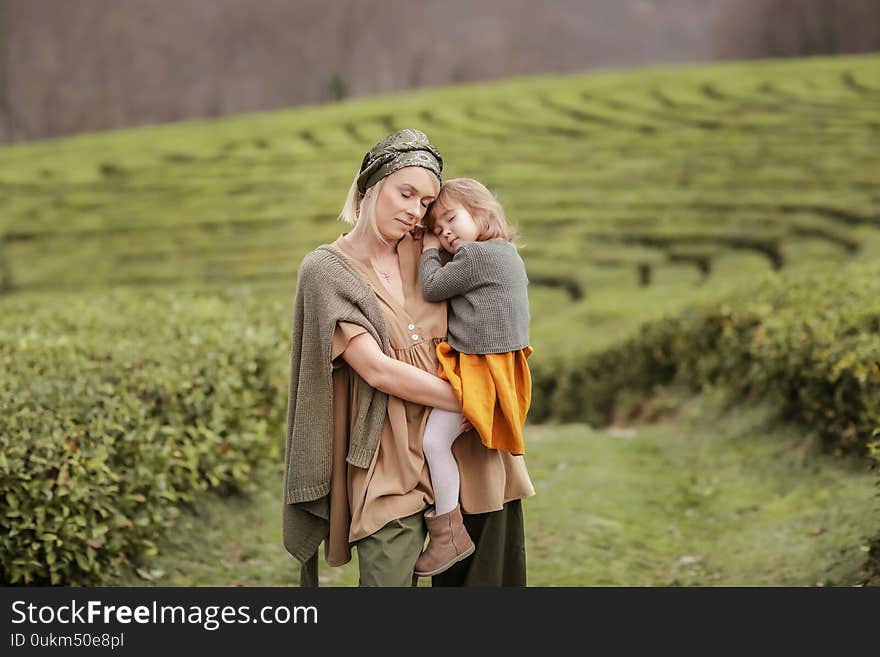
[486, 285]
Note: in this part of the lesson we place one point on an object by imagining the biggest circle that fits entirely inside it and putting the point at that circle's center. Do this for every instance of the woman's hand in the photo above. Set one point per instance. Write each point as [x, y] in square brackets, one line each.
[430, 241]
[465, 425]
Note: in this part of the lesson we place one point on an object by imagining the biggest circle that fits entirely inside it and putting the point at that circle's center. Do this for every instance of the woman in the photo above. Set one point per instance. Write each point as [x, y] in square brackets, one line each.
[362, 384]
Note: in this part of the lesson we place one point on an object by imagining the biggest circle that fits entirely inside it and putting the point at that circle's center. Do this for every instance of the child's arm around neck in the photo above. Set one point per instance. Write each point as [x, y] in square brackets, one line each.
[440, 282]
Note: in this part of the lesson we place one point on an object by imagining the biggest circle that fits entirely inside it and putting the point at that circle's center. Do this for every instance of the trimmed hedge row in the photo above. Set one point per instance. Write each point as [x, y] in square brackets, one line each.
[119, 409]
[810, 343]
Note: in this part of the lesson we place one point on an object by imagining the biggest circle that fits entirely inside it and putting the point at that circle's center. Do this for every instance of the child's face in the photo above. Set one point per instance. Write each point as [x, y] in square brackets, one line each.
[454, 225]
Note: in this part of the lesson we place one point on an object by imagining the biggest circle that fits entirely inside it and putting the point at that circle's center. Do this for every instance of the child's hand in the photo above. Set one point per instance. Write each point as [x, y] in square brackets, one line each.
[430, 241]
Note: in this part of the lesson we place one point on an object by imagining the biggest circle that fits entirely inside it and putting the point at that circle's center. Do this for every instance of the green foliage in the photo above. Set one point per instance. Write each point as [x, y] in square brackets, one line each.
[679, 178]
[808, 342]
[637, 194]
[117, 410]
[122, 407]
[704, 498]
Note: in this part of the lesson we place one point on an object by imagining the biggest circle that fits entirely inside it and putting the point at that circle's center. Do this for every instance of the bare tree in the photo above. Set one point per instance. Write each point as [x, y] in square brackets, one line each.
[797, 28]
[7, 127]
[70, 67]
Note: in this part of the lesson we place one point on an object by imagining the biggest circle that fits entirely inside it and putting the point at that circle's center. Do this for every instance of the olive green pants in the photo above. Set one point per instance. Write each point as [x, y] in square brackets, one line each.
[388, 556]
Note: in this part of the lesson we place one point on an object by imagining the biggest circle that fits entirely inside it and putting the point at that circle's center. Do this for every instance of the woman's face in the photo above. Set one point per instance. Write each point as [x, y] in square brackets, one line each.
[403, 200]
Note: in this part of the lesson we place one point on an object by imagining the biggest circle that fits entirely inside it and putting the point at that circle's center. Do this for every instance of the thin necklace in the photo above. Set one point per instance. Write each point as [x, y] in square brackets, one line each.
[384, 274]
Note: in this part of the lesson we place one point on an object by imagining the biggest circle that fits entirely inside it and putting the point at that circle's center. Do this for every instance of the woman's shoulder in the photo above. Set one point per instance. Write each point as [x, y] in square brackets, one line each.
[322, 262]
[323, 255]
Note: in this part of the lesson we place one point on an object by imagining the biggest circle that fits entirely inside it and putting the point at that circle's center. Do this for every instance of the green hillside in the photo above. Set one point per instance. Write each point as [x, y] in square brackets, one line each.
[634, 191]
[716, 228]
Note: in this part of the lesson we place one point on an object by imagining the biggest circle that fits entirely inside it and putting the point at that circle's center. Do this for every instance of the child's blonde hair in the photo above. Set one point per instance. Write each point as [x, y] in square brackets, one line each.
[480, 203]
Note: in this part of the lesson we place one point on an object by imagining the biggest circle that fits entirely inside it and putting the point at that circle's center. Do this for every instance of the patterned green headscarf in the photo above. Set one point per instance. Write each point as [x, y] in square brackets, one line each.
[405, 148]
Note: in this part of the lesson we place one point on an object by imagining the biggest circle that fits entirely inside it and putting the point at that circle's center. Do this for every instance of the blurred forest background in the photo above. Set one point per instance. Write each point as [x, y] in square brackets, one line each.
[71, 67]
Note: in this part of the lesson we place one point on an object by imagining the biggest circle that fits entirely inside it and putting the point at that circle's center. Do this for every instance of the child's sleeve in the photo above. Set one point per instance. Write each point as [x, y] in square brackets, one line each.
[440, 282]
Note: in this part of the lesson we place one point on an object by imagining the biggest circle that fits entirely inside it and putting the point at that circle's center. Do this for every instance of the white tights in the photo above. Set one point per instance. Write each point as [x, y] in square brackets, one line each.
[441, 430]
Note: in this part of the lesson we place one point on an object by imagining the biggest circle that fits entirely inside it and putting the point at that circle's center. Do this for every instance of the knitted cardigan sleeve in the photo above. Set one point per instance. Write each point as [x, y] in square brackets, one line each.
[440, 282]
[328, 291]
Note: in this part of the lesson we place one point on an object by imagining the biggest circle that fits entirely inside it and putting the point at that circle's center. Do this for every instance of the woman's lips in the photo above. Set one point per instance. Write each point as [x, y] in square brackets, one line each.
[405, 223]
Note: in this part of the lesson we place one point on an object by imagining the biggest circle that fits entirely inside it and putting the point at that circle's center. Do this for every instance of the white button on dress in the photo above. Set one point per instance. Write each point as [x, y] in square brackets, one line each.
[415, 337]
[411, 327]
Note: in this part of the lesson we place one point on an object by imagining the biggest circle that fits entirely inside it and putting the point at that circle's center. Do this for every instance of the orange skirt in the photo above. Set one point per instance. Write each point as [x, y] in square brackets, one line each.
[495, 391]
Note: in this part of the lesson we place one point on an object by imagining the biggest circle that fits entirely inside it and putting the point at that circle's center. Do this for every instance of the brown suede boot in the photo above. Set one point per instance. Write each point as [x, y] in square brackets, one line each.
[449, 543]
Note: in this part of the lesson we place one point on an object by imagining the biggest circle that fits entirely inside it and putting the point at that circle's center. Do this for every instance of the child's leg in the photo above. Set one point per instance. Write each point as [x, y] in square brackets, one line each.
[449, 541]
[441, 430]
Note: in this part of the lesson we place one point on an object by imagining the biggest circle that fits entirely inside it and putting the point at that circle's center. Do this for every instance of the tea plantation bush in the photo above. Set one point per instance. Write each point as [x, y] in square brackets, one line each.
[119, 409]
[811, 343]
[116, 411]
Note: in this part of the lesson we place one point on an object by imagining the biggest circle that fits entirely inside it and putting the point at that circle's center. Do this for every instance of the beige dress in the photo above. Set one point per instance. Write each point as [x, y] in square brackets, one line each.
[397, 483]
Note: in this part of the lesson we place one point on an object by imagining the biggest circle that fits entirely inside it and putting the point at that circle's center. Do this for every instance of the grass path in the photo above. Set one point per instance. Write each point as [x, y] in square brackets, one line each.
[702, 498]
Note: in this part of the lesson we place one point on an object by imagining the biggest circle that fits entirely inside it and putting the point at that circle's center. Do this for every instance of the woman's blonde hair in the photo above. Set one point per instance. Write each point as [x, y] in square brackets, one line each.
[480, 203]
[362, 205]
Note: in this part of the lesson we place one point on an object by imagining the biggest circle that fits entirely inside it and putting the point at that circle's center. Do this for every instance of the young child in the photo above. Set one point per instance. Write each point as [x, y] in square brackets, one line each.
[484, 357]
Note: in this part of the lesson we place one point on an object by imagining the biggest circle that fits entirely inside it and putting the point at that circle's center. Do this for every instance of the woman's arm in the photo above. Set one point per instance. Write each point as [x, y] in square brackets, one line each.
[396, 378]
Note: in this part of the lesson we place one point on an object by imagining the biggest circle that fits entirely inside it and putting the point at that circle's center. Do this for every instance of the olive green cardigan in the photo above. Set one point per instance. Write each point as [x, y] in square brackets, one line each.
[329, 290]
